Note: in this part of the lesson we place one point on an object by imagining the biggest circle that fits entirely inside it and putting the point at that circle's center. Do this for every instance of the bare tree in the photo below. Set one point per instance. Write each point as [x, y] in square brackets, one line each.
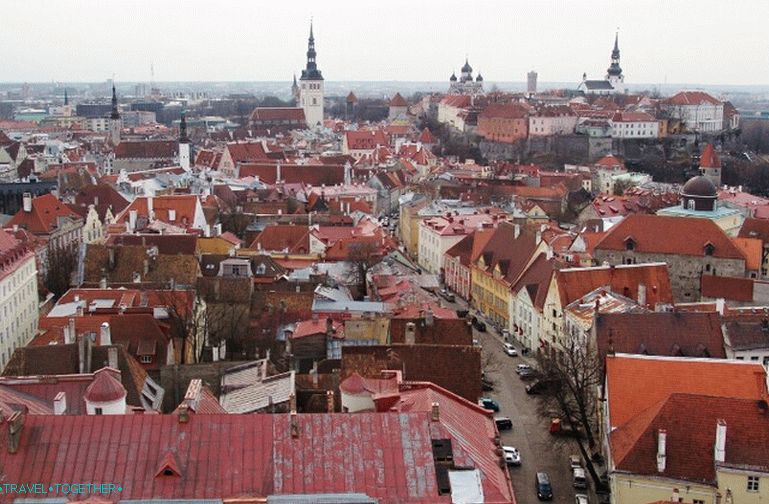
[62, 262]
[573, 378]
[188, 318]
[362, 255]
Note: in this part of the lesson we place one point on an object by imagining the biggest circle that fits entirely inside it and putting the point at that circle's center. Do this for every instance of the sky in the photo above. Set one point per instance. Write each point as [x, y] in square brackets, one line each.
[661, 41]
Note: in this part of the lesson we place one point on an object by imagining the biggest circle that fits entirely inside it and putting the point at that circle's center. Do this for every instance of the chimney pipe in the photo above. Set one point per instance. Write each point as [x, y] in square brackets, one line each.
[60, 403]
[642, 294]
[184, 413]
[15, 424]
[103, 282]
[661, 458]
[27, 202]
[69, 332]
[294, 425]
[517, 231]
[106, 335]
[112, 357]
[719, 452]
[88, 353]
[330, 408]
[436, 412]
[81, 353]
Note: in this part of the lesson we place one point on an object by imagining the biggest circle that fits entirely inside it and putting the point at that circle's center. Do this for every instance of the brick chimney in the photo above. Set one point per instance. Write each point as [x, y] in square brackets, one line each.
[106, 334]
[15, 424]
[69, 332]
[719, 450]
[184, 413]
[294, 424]
[26, 200]
[112, 357]
[330, 408]
[410, 335]
[435, 412]
[661, 457]
[60, 403]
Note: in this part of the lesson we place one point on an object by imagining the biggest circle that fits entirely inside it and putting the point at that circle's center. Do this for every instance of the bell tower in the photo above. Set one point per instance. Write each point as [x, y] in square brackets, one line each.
[614, 72]
[311, 87]
[115, 123]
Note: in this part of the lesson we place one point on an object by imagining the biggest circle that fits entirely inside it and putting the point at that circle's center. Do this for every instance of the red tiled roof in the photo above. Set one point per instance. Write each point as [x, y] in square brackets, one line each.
[184, 205]
[44, 216]
[398, 101]
[504, 111]
[426, 137]
[667, 375]
[256, 455]
[755, 228]
[365, 139]
[105, 387]
[573, 283]
[280, 237]
[609, 161]
[709, 158]
[752, 249]
[682, 236]
[692, 98]
[103, 197]
[355, 384]
[731, 288]
[277, 114]
[313, 327]
[292, 173]
[690, 422]
[242, 152]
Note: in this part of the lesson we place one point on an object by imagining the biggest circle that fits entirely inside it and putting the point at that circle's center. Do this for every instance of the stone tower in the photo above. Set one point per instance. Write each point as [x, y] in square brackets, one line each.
[311, 88]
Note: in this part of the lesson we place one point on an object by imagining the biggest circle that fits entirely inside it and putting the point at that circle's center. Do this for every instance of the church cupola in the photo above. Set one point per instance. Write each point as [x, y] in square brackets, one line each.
[467, 71]
[479, 78]
[614, 69]
[453, 77]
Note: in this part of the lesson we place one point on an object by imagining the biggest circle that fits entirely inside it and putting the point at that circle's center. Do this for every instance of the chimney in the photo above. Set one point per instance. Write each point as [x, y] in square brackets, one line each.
[192, 396]
[150, 206]
[79, 310]
[106, 336]
[410, 335]
[103, 283]
[642, 294]
[112, 357]
[132, 220]
[81, 353]
[294, 424]
[719, 453]
[330, 408]
[661, 438]
[111, 258]
[146, 267]
[171, 214]
[184, 413]
[720, 305]
[676, 497]
[429, 317]
[436, 412]
[69, 332]
[314, 373]
[89, 351]
[27, 202]
[60, 403]
[15, 423]
[292, 403]
[517, 231]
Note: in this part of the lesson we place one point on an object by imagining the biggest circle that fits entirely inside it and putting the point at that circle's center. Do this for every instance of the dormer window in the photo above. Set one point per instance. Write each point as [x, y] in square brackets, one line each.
[709, 249]
[629, 244]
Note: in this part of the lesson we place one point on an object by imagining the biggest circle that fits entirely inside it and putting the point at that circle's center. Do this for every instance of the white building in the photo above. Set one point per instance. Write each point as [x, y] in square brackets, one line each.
[18, 296]
[553, 120]
[311, 88]
[634, 125]
[614, 83]
[438, 234]
[698, 110]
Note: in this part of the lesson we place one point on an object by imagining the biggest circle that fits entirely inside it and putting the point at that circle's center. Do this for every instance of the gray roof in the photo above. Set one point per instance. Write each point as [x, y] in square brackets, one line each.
[320, 305]
[245, 391]
[598, 84]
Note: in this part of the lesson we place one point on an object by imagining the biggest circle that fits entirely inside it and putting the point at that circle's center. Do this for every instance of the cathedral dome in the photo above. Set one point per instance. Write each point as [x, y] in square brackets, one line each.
[479, 78]
[453, 78]
[467, 68]
[699, 186]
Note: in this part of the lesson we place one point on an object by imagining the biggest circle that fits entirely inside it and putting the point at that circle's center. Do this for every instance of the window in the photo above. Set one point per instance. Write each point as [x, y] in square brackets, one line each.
[753, 483]
[145, 359]
[698, 501]
[99, 411]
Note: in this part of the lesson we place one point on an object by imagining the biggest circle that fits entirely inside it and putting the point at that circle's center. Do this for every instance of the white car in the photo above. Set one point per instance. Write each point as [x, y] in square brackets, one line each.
[580, 499]
[512, 455]
[522, 367]
[510, 350]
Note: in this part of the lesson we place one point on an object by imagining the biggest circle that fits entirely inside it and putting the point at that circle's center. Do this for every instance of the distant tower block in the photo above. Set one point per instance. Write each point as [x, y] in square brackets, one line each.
[531, 82]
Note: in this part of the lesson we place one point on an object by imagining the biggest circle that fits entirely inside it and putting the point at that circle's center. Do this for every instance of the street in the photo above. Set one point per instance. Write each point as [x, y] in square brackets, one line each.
[540, 451]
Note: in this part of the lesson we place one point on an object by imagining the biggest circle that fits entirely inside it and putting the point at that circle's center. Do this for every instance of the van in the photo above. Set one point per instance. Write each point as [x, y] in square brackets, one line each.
[579, 478]
[503, 423]
[544, 490]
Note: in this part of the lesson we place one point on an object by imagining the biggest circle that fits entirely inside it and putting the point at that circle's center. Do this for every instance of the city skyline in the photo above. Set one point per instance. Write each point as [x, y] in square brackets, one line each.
[686, 42]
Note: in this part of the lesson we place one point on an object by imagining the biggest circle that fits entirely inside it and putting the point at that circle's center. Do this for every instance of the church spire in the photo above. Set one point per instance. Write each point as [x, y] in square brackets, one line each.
[614, 69]
[66, 98]
[115, 114]
[311, 71]
[183, 128]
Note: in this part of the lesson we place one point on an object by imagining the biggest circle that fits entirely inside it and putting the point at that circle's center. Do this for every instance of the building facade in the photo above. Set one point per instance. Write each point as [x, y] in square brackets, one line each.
[18, 296]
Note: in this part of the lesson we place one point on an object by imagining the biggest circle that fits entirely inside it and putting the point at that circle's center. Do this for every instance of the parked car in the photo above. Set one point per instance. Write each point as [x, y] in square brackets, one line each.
[512, 455]
[575, 462]
[506, 334]
[542, 484]
[510, 350]
[489, 404]
[448, 296]
[579, 480]
[503, 423]
[527, 374]
[486, 385]
[462, 313]
[479, 324]
[580, 499]
[540, 386]
[522, 367]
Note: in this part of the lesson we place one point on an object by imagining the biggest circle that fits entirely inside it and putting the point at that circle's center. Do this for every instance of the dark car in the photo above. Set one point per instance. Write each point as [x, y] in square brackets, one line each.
[486, 385]
[448, 296]
[489, 404]
[479, 325]
[503, 423]
[540, 386]
[462, 313]
[544, 489]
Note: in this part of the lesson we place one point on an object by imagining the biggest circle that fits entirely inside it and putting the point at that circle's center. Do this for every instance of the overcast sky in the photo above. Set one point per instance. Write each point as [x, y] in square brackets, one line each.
[673, 41]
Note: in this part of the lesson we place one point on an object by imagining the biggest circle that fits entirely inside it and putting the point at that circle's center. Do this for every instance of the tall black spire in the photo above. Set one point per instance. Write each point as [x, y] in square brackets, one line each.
[183, 128]
[311, 72]
[614, 68]
[66, 98]
[115, 114]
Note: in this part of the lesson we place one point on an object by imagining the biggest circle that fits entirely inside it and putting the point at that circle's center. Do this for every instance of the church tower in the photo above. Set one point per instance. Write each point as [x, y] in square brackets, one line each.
[115, 124]
[184, 143]
[614, 73]
[311, 89]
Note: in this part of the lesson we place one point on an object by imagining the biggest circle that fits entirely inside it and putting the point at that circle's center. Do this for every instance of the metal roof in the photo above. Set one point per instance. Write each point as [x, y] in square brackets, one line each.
[356, 498]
